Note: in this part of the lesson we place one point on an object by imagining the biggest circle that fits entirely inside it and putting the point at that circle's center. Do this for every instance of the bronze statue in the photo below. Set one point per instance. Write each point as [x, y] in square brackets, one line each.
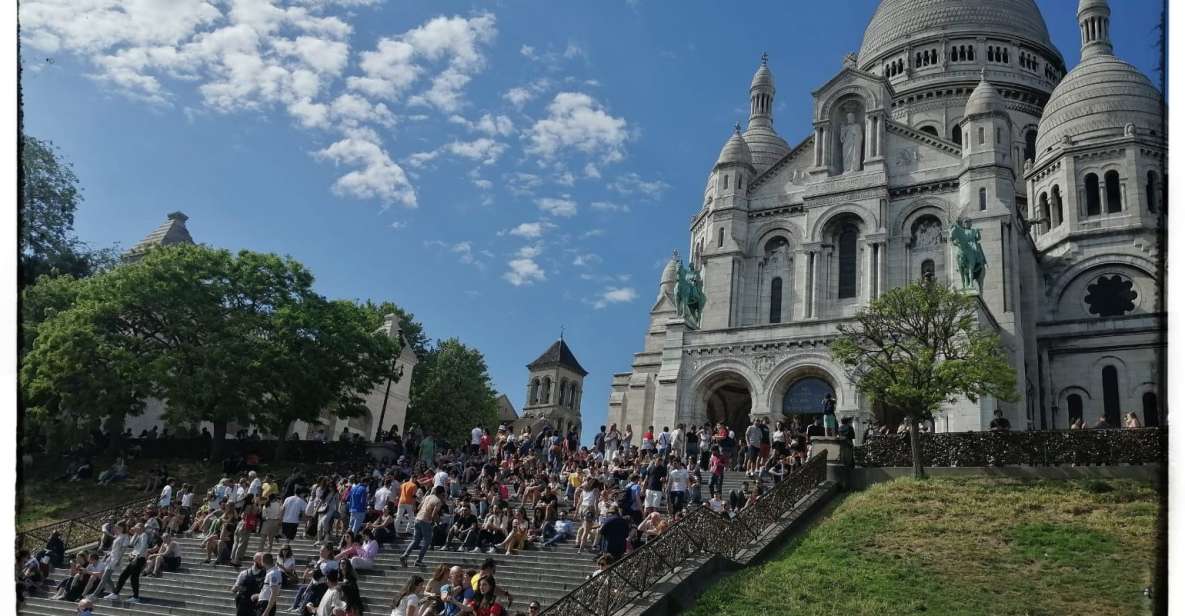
[971, 261]
[689, 295]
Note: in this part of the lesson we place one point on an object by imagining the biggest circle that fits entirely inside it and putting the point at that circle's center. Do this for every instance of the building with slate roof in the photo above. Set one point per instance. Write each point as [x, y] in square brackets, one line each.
[952, 111]
[172, 231]
[555, 386]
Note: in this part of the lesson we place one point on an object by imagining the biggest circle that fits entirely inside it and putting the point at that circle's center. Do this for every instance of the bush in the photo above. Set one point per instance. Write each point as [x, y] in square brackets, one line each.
[1044, 448]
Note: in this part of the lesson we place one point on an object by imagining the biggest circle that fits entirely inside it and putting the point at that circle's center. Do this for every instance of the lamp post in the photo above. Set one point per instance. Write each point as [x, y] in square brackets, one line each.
[394, 375]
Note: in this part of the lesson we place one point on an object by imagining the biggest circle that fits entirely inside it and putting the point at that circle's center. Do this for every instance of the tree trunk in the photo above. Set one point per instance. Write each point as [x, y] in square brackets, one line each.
[217, 442]
[915, 448]
[114, 424]
[282, 444]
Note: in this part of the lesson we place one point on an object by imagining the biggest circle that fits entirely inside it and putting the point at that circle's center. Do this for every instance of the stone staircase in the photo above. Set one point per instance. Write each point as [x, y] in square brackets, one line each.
[197, 589]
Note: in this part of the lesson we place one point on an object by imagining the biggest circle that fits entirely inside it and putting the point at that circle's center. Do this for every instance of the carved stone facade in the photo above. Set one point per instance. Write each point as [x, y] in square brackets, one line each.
[944, 116]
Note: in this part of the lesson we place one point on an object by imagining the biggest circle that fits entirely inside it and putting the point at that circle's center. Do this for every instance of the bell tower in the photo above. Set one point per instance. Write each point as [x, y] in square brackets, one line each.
[555, 386]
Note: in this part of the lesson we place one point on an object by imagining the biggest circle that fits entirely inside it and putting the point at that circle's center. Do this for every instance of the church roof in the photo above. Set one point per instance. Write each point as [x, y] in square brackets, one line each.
[173, 231]
[735, 150]
[897, 22]
[984, 99]
[558, 353]
[506, 410]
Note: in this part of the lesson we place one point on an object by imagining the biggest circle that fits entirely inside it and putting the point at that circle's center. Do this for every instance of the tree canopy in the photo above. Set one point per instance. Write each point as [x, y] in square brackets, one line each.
[50, 196]
[451, 392]
[920, 346]
[221, 337]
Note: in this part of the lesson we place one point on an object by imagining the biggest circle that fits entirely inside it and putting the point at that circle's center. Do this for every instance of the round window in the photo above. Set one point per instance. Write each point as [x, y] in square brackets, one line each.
[1111, 296]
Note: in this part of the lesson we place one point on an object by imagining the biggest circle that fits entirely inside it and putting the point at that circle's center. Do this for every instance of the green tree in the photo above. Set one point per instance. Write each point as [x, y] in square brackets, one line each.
[222, 338]
[919, 346]
[451, 392]
[413, 330]
[50, 196]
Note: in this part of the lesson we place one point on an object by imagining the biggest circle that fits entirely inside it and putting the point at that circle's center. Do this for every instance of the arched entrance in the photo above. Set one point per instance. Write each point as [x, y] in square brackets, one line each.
[728, 400]
[804, 398]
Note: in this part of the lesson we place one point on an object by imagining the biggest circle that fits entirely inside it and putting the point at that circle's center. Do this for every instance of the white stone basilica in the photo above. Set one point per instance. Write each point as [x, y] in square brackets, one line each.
[952, 110]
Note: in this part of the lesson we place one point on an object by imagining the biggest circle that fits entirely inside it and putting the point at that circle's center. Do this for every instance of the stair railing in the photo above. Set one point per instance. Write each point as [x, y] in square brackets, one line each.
[79, 531]
[702, 531]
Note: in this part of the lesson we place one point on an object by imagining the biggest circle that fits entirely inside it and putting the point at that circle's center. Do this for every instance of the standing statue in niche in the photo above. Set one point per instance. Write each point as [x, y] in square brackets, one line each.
[689, 295]
[851, 137]
[971, 261]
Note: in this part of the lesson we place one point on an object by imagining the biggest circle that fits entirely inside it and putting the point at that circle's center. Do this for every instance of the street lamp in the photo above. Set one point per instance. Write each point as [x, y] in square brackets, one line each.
[394, 375]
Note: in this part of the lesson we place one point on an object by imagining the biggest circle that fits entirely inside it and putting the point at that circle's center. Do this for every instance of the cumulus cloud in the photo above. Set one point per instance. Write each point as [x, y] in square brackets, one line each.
[614, 295]
[378, 178]
[523, 269]
[485, 150]
[576, 121]
[564, 207]
[607, 206]
[531, 230]
[586, 259]
[492, 125]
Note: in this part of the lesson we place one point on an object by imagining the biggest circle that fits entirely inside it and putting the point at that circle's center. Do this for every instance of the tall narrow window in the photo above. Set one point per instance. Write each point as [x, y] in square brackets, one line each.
[1044, 213]
[725, 180]
[848, 236]
[982, 138]
[982, 199]
[1056, 210]
[1151, 191]
[956, 135]
[1074, 402]
[1093, 207]
[1031, 144]
[1114, 198]
[1111, 395]
[1151, 410]
[720, 237]
[775, 301]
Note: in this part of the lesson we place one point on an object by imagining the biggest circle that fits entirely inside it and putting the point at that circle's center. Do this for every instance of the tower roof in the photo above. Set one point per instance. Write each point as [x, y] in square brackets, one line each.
[172, 231]
[984, 99]
[763, 78]
[558, 353]
[735, 150]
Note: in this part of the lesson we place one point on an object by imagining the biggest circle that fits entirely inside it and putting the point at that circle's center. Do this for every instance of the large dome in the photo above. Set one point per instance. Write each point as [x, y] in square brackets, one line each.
[1099, 98]
[896, 22]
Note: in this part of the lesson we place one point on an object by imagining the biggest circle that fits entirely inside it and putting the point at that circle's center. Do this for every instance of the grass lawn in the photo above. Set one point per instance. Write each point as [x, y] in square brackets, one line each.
[43, 499]
[961, 547]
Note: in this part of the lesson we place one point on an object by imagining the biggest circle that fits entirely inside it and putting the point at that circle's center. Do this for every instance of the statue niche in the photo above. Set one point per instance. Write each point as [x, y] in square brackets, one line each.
[848, 141]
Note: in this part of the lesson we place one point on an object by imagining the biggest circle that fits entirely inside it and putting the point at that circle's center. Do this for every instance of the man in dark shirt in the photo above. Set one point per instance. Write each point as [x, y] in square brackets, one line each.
[846, 430]
[1000, 423]
[815, 429]
[654, 483]
[614, 530]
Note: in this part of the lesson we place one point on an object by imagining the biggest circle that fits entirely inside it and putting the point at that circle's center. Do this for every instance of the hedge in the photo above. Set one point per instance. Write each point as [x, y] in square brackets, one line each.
[1034, 448]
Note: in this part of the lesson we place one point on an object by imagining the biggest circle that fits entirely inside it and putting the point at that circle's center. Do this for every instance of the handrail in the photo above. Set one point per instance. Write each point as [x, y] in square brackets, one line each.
[700, 532]
[79, 525]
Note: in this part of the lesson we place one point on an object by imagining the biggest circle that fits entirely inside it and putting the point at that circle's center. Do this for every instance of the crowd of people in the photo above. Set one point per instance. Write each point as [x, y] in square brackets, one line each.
[500, 493]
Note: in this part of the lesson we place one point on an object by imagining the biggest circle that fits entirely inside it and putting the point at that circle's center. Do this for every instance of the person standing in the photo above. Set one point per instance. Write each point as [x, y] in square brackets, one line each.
[139, 556]
[359, 498]
[475, 440]
[752, 449]
[166, 495]
[272, 581]
[716, 468]
[426, 517]
[677, 487]
[999, 423]
[292, 509]
[679, 442]
[115, 555]
[829, 423]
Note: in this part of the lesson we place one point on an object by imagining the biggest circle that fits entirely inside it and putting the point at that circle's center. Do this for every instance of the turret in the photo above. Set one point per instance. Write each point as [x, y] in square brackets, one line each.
[1094, 25]
[987, 139]
[766, 145]
[732, 172]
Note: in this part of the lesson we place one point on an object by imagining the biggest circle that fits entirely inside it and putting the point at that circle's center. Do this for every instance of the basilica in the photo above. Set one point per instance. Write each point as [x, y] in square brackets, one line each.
[955, 114]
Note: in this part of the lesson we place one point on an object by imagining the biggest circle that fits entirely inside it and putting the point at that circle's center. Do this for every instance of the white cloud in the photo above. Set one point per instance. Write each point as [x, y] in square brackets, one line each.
[607, 206]
[521, 183]
[523, 269]
[485, 150]
[586, 260]
[614, 295]
[379, 176]
[518, 96]
[565, 179]
[577, 121]
[633, 184]
[527, 51]
[591, 171]
[419, 159]
[531, 230]
[564, 207]
[483, 183]
[592, 233]
[492, 125]
[398, 224]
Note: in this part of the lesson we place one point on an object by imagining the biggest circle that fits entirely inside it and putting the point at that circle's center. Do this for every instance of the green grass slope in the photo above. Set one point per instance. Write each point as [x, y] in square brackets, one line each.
[961, 547]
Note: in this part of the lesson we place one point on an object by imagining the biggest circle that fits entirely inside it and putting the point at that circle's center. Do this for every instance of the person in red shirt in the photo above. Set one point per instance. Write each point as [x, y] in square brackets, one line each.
[485, 598]
[716, 466]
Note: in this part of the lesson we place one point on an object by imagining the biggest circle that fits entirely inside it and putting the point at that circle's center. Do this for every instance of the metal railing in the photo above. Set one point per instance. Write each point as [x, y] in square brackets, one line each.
[79, 531]
[700, 532]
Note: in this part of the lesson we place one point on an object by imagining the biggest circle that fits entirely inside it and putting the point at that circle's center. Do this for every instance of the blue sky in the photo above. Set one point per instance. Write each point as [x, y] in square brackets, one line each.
[499, 169]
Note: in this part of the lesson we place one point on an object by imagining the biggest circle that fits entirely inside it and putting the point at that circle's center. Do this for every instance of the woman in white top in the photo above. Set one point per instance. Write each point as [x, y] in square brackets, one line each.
[408, 601]
[627, 438]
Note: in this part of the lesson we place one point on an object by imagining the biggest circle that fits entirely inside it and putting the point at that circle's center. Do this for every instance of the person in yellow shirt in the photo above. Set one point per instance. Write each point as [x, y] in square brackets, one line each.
[269, 487]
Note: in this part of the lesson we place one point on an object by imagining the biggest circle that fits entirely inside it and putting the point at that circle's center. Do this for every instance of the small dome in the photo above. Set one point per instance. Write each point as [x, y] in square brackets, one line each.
[763, 78]
[1098, 99]
[897, 22]
[735, 150]
[1086, 5]
[767, 147]
[984, 99]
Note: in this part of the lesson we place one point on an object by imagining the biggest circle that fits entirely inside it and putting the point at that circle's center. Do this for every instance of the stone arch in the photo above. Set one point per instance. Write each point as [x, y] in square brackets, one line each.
[799, 366]
[545, 396]
[825, 108]
[706, 389]
[1084, 266]
[534, 395]
[767, 230]
[869, 219]
[905, 218]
